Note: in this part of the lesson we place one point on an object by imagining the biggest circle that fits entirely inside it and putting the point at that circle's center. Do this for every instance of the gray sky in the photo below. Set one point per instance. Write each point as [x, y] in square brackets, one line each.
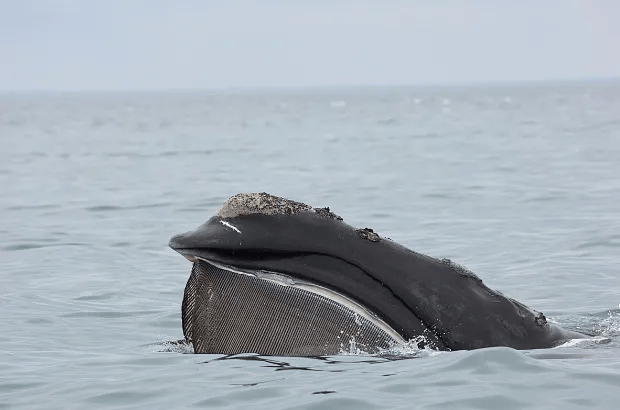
[181, 44]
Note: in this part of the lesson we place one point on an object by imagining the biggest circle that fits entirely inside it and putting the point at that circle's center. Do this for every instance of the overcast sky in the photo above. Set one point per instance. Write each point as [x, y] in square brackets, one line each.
[195, 44]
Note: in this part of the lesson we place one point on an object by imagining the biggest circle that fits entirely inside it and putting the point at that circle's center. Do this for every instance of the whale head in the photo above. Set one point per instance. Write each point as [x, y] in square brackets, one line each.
[275, 276]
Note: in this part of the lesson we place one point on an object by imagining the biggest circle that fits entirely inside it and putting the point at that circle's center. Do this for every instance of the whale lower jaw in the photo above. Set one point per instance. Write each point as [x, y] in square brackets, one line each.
[228, 310]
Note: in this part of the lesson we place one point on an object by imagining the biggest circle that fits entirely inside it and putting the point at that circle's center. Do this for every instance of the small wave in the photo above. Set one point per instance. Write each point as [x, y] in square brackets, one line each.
[106, 208]
[100, 208]
[426, 135]
[95, 297]
[594, 127]
[26, 246]
[34, 207]
[387, 121]
[120, 244]
[109, 314]
[609, 243]
[134, 155]
[588, 341]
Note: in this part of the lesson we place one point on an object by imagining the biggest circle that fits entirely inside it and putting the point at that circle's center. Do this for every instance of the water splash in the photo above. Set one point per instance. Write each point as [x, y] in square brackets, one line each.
[603, 329]
[174, 346]
[407, 350]
[416, 347]
[610, 326]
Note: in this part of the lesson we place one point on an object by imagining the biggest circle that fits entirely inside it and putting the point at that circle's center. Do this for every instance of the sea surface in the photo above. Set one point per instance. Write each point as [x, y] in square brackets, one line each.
[519, 183]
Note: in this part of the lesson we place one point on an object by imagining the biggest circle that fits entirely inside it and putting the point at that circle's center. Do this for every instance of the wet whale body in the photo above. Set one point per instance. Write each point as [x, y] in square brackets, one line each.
[277, 277]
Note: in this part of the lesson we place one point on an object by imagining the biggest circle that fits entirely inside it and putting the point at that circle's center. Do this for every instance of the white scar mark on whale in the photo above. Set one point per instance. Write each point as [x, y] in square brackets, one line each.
[230, 226]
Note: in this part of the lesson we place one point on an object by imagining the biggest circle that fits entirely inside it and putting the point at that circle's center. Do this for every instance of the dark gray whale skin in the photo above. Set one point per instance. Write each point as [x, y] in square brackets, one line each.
[413, 293]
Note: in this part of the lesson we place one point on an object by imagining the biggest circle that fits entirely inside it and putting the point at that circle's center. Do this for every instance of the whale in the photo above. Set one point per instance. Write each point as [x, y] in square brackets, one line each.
[273, 276]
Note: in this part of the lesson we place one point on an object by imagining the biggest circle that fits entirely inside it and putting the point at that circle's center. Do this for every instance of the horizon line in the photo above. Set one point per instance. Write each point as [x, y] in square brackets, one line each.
[253, 88]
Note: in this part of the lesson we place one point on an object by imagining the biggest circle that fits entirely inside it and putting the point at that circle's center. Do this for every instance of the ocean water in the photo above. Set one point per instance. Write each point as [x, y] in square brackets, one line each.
[519, 183]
